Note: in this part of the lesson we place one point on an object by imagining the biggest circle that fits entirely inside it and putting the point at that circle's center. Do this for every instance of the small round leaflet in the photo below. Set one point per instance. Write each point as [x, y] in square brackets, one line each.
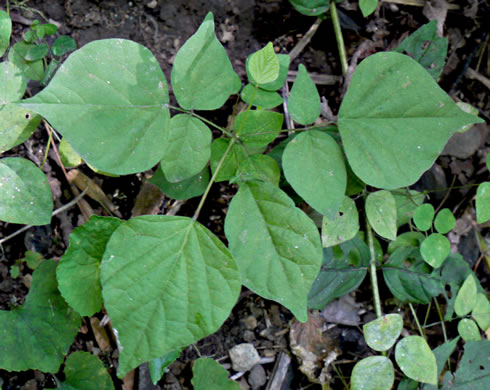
[468, 330]
[435, 249]
[466, 297]
[445, 221]
[423, 216]
[382, 333]
[378, 369]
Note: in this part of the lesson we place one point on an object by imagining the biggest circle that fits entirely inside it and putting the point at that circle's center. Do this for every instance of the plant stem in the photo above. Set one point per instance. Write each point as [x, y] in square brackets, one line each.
[338, 36]
[224, 131]
[213, 178]
[416, 320]
[442, 319]
[372, 271]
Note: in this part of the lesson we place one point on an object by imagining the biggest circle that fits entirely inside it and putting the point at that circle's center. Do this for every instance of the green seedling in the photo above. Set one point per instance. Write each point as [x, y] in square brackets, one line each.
[110, 102]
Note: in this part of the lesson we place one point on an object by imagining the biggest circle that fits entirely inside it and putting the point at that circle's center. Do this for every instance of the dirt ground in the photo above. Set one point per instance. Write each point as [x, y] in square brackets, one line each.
[244, 26]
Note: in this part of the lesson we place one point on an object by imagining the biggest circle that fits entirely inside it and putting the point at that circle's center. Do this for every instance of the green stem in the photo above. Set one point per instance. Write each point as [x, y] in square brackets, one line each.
[338, 36]
[416, 320]
[224, 131]
[8, 7]
[372, 271]
[439, 312]
[213, 178]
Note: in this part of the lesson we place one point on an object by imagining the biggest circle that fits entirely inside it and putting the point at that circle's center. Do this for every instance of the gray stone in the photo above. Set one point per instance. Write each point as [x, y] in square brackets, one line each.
[243, 357]
[463, 145]
[257, 377]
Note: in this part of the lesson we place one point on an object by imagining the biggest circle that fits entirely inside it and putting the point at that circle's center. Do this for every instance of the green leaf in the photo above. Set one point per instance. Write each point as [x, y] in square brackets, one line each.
[14, 271]
[63, 45]
[257, 128]
[445, 221]
[483, 202]
[382, 333]
[259, 167]
[202, 75]
[394, 136]
[408, 239]
[5, 31]
[18, 124]
[109, 101]
[474, 368]
[343, 270]
[423, 216]
[468, 330]
[185, 189]
[32, 259]
[263, 65]
[50, 71]
[84, 371]
[25, 193]
[481, 311]
[304, 101]
[29, 36]
[277, 247]
[259, 97]
[38, 334]
[314, 166]
[427, 48]
[281, 79]
[78, 272]
[435, 249]
[158, 366]
[367, 7]
[33, 70]
[378, 369]
[209, 374]
[343, 227]
[406, 203]
[45, 29]
[311, 7]
[408, 277]
[13, 83]
[37, 52]
[168, 281]
[416, 360]
[187, 147]
[466, 298]
[470, 110]
[69, 157]
[381, 213]
[488, 161]
[442, 353]
[232, 160]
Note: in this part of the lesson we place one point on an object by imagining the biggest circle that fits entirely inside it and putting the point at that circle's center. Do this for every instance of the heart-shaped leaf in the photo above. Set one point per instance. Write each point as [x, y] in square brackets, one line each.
[314, 166]
[168, 281]
[202, 75]
[395, 120]
[468, 330]
[38, 334]
[277, 247]
[109, 101]
[25, 193]
[284, 60]
[257, 128]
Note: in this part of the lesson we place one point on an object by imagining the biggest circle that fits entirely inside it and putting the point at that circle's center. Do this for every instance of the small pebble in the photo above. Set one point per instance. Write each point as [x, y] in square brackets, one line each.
[257, 377]
[243, 357]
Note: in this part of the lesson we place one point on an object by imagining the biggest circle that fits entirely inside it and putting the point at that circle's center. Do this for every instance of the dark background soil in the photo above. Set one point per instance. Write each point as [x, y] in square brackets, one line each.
[244, 26]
